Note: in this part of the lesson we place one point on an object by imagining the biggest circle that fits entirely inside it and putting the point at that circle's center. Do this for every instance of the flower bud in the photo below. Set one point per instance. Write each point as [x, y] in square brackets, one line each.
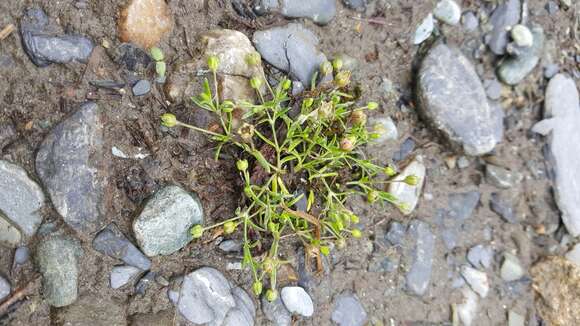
[256, 82]
[372, 196]
[213, 62]
[253, 59]
[347, 143]
[325, 68]
[325, 250]
[160, 68]
[246, 132]
[372, 105]
[342, 79]
[356, 233]
[156, 54]
[308, 102]
[197, 231]
[169, 120]
[358, 118]
[354, 218]
[242, 165]
[390, 171]
[257, 288]
[411, 180]
[325, 110]
[340, 243]
[229, 227]
[286, 84]
[337, 64]
[271, 295]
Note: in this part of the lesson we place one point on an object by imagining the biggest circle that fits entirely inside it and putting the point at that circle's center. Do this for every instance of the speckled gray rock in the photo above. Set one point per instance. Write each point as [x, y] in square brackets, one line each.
[419, 275]
[514, 69]
[163, 227]
[396, 234]
[4, 288]
[297, 301]
[562, 118]
[112, 242]
[230, 246]
[43, 44]
[121, 275]
[501, 177]
[480, 256]
[348, 311]
[72, 167]
[20, 202]
[477, 280]
[276, 312]
[452, 99]
[504, 16]
[502, 207]
[57, 258]
[291, 48]
[319, 11]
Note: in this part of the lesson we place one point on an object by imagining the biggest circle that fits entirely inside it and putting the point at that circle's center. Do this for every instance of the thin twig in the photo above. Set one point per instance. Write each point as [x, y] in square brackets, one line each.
[17, 296]
[7, 31]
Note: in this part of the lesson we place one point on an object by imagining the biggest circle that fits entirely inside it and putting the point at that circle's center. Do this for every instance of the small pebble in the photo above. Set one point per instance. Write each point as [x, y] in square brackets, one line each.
[230, 246]
[4, 288]
[297, 301]
[462, 162]
[552, 7]
[470, 21]
[21, 255]
[448, 11]
[515, 319]
[121, 275]
[574, 255]
[551, 70]
[424, 30]
[511, 269]
[522, 36]
[141, 88]
[492, 88]
[477, 280]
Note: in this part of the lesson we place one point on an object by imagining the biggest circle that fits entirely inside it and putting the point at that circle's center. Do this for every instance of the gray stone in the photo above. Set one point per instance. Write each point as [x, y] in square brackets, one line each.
[291, 48]
[515, 319]
[551, 70]
[504, 16]
[244, 303]
[297, 301]
[21, 255]
[205, 297]
[132, 58]
[4, 288]
[382, 265]
[419, 275]
[461, 205]
[501, 177]
[44, 46]
[57, 258]
[514, 69]
[480, 256]
[511, 268]
[477, 280]
[424, 30]
[462, 162]
[447, 11]
[145, 282]
[163, 227]
[492, 88]
[348, 311]
[276, 312]
[20, 202]
[562, 118]
[230, 246]
[470, 21]
[522, 36]
[385, 128]
[73, 169]
[113, 243]
[574, 254]
[396, 233]
[405, 150]
[503, 207]
[552, 7]
[406, 196]
[359, 5]
[141, 88]
[121, 275]
[467, 310]
[452, 99]
[319, 11]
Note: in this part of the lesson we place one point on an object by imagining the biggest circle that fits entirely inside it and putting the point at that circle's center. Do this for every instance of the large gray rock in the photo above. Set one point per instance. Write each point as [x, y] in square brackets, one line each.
[515, 68]
[43, 44]
[72, 168]
[348, 311]
[207, 297]
[57, 258]
[20, 202]
[112, 242]
[163, 227]
[452, 99]
[319, 11]
[291, 48]
[504, 16]
[419, 275]
[562, 113]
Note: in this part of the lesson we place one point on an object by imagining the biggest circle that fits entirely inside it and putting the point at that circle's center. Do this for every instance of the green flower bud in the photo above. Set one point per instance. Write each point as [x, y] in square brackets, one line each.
[337, 64]
[354, 218]
[358, 118]
[271, 295]
[340, 243]
[342, 79]
[307, 102]
[257, 288]
[213, 62]
[286, 84]
[273, 227]
[256, 82]
[411, 180]
[197, 231]
[390, 171]
[326, 68]
[253, 59]
[242, 165]
[160, 68]
[156, 54]
[372, 196]
[356, 233]
[372, 105]
[169, 120]
[229, 227]
[325, 250]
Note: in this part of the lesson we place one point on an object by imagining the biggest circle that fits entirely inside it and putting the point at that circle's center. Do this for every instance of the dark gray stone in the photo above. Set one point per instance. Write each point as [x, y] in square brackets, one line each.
[43, 44]
[514, 69]
[57, 258]
[552, 7]
[230, 246]
[396, 233]
[141, 88]
[348, 311]
[503, 207]
[132, 58]
[111, 242]
[121, 275]
[358, 5]
[164, 225]
[501, 177]
[504, 16]
[276, 312]
[419, 275]
[73, 169]
[319, 11]
[452, 100]
[480, 256]
[7, 131]
[291, 48]
[145, 282]
[461, 205]
[4, 288]
[405, 150]
[20, 202]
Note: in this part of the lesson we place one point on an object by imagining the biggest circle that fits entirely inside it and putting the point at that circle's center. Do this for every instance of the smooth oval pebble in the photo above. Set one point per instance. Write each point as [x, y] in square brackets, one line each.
[522, 36]
[297, 301]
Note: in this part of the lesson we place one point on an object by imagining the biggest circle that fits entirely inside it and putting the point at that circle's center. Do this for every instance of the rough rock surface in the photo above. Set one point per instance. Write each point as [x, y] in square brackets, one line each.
[43, 44]
[406, 195]
[319, 11]
[557, 284]
[348, 311]
[452, 99]
[111, 242]
[291, 48]
[20, 202]
[562, 113]
[419, 274]
[57, 258]
[144, 22]
[163, 227]
[71, 166]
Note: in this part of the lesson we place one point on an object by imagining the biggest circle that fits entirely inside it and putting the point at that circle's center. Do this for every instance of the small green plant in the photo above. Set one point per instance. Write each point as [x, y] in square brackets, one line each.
[159, 58]
[300, 160]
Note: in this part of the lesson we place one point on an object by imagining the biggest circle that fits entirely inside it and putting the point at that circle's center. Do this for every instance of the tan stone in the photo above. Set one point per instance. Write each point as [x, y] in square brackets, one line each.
[9, 235]
[144, 22]
[235, 88]
[557, 287]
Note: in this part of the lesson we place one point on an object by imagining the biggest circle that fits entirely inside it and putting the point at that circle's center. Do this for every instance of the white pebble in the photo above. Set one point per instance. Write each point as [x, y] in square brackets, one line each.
[424, 30]
[522, 36]
[448, 11]
[297, 301]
